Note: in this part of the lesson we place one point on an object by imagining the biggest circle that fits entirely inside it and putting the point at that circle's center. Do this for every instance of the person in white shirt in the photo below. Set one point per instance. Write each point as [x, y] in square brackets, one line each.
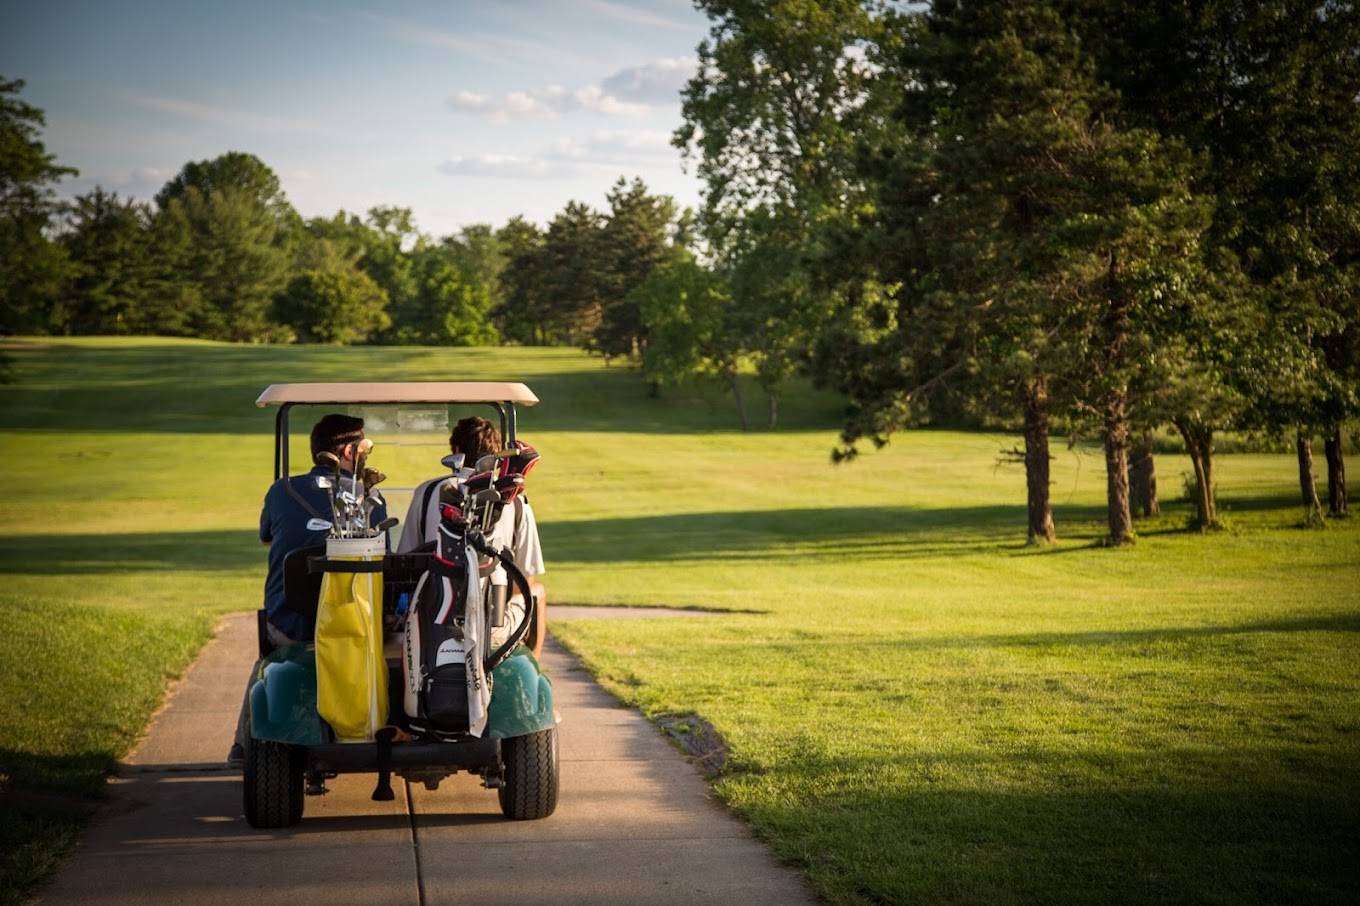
[515, 530]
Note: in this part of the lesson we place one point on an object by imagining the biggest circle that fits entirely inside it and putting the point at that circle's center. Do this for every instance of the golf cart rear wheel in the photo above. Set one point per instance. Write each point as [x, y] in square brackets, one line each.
[530, 789]
[273, 783]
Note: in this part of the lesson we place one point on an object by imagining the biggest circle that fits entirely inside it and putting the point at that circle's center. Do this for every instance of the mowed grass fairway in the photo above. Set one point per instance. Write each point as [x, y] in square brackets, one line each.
[917, 707]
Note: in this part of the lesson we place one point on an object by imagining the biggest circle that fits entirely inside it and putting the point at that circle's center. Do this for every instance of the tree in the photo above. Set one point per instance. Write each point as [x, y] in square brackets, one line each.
[117, 285]
[333, 306]
[634, 241]
[479, 253]
[454, 309]
[573, 270]
[233, 262]
[33, 268]
[773, 307]
[242, 172]
[771, 118]
[390, 241]
[521, 314]
[230, 233]
[1268, 90]
[687, 310]
[1021, 232]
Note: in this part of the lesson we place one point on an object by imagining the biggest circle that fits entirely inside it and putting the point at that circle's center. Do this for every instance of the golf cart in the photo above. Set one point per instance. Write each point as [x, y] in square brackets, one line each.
[400, 680]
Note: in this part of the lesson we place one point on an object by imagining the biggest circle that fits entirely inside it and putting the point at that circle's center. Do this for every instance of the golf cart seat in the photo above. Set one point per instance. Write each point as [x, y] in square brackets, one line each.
[302, 588]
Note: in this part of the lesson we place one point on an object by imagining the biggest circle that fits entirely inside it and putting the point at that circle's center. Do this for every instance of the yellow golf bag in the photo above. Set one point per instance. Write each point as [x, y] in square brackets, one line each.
[351, 672]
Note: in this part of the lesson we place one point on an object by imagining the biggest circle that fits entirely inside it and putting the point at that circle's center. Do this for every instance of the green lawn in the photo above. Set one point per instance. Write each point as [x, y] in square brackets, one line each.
[917, 707]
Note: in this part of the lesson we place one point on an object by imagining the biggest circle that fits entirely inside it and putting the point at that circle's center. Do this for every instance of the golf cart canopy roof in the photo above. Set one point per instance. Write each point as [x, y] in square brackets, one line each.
[409, 392]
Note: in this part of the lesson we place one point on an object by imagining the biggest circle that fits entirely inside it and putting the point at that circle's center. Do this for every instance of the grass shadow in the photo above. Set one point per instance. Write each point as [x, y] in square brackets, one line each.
[1114, 835]
[869, 533]
[1135, 638]
[46, 554]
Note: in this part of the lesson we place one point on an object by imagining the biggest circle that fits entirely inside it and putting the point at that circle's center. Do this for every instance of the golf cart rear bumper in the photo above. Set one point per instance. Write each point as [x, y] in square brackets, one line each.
[465, 755]
[283, 700]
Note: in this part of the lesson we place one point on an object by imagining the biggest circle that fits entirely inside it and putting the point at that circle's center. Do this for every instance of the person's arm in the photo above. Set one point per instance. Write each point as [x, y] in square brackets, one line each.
[525, 546]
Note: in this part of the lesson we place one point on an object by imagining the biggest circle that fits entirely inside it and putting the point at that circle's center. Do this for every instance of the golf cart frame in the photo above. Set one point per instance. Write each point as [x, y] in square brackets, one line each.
[290, 749]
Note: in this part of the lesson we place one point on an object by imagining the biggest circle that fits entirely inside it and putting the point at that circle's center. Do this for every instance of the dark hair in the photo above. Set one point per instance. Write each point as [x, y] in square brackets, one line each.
[334, 431]
[475, 437]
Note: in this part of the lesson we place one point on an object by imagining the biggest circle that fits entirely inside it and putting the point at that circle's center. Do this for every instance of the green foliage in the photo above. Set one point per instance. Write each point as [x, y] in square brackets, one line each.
[771, 118]
[521, 314]
[119, 287]
[333, 307]
[573, 272]
[455, 310]
[634, 242]
[686, 309]
[1267, 90]
[33, 269]
[228, 229]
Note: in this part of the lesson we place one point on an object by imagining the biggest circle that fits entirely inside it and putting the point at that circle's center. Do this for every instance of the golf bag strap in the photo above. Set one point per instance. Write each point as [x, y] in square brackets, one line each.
[327, 565]
[293, 492]
[425, 508]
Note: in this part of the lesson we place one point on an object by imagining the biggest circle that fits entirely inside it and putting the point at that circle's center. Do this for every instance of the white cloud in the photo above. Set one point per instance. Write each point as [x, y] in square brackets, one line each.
[517, 105]
[658, 82]
[605, 154]
[628, 93]
[499, 166]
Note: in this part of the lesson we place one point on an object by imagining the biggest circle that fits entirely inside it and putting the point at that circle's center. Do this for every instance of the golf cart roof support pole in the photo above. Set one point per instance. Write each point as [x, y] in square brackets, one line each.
[507, 421]
[281, 441]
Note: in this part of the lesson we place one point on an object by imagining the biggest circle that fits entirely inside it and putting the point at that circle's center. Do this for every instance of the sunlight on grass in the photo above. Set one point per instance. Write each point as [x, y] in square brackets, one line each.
[918, 706]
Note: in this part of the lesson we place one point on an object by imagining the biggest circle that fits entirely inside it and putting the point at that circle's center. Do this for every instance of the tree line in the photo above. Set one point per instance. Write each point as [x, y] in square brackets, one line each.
[1094, 217]
[221, 254]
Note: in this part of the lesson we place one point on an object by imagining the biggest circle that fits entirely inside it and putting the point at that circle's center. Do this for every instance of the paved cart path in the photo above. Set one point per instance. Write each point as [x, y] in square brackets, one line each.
[634, 822]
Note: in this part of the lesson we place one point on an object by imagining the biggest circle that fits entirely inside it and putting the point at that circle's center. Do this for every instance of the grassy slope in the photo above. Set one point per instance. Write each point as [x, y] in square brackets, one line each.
[917, 706]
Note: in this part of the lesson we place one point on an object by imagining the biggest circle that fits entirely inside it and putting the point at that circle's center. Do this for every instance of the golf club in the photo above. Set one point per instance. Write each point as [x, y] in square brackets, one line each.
[329, 486]
[327, 458]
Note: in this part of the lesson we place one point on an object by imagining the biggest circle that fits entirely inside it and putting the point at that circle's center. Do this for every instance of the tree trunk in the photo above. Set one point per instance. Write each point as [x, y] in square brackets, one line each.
[1117, 470]
[1116, 407]
[1143, 478]
[735, 384]
[1336, 476]
[1199, 443]
[1312, 507]
[1041, 529]
[774, 408]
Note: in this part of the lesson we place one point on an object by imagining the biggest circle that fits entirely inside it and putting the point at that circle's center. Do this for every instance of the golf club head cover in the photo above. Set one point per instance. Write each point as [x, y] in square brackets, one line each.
[509, 487]
[479, 482]
[523, 461]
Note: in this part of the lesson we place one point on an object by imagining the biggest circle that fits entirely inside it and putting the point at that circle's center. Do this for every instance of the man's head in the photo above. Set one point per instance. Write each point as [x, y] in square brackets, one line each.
[335, 433]
[475, 437]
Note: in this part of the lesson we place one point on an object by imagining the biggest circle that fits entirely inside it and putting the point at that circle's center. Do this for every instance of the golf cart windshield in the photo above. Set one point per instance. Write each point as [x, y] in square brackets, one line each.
[409, 422]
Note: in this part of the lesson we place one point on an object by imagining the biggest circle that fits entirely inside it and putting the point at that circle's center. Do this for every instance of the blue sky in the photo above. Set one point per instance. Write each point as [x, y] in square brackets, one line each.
[465, 112]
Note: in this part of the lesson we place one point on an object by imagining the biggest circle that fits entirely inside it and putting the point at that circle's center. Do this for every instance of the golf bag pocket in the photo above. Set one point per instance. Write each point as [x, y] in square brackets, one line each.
[446, 699]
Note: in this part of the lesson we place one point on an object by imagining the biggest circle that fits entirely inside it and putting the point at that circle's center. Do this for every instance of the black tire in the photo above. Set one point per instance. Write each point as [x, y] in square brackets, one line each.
[530, 789]
[273, 783]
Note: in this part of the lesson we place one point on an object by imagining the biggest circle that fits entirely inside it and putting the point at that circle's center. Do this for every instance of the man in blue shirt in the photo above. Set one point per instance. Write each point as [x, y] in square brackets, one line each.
[289, 504]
